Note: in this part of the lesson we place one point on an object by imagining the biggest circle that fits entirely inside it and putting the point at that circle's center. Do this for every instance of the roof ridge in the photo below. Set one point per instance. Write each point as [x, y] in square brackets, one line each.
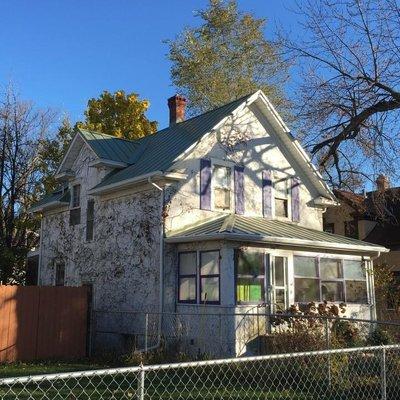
[111, 136]
[228, 224]
[206, 112]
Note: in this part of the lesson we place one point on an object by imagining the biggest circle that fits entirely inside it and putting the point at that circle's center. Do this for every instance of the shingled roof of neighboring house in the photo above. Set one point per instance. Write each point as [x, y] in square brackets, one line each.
[258, 229]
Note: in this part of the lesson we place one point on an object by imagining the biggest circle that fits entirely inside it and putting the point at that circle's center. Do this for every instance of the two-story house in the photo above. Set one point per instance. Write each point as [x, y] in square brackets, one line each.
[216, 213]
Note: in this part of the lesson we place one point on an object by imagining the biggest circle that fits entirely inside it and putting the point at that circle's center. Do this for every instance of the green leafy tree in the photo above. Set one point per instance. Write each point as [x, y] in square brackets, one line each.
[119, 114]
[51, 153]
[225, 58]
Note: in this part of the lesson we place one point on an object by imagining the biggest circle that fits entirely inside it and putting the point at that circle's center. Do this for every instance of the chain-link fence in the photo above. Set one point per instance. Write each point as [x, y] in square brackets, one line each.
[209, 334]
[357, 373]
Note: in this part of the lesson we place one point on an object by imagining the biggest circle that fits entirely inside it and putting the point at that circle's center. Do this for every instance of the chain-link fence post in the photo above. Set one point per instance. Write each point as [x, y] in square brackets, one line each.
[140, 391]
[328, 347]
[383, 374]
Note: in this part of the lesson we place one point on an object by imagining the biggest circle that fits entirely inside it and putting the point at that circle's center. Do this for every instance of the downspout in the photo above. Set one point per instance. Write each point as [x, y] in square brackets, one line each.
[39, 278]
[373, 314]
[161, 267]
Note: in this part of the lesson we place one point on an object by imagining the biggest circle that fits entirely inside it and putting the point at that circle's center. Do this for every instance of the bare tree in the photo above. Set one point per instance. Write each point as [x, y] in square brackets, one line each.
[348, 94]
[21, 129]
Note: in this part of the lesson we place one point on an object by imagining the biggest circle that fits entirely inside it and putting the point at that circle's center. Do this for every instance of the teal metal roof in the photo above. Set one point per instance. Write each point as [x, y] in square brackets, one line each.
[157, 152]
[59, 195]
[228, 226]
[110, 147]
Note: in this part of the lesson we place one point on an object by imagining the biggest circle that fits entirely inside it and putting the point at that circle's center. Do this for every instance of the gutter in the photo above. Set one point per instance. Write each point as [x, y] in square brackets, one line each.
[376, 250]
[137, 179]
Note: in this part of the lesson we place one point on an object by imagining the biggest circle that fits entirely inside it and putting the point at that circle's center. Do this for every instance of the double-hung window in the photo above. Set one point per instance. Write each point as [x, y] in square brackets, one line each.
[89, 220]
[199, 277]
[221, 182]
[281, 198]
[75, 211]
[329, 279]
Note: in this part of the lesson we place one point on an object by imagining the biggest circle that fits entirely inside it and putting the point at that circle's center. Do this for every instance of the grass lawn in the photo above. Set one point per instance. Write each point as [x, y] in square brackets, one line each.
[47, 367]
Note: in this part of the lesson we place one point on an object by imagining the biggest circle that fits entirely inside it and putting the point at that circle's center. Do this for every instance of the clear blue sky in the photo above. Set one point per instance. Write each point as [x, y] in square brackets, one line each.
[61, 53]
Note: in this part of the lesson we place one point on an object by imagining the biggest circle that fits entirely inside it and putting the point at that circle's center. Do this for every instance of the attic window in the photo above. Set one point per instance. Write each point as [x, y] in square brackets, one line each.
[222, 187]
[281, 198]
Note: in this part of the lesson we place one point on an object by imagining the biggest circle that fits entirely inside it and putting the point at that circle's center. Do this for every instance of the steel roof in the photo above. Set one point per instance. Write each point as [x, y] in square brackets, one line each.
[230, 225]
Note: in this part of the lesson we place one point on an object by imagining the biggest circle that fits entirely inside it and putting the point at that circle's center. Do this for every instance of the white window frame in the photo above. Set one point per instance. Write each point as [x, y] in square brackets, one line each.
[226, 164]
[76, 183]
[287, 179]
[341, 257]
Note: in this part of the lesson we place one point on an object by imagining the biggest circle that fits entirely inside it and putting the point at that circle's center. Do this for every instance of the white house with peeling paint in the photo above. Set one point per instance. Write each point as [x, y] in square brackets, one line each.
[212, 215]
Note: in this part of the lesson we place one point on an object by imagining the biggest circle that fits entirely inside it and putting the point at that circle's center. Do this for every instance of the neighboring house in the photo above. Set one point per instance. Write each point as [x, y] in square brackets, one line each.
[213, 214]
[375, 218]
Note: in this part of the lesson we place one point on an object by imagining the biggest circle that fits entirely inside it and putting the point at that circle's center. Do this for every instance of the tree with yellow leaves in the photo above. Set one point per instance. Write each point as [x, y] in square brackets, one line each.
[119, 114]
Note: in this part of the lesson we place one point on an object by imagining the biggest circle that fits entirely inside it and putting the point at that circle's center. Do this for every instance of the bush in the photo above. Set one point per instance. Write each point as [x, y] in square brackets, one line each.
[345, 334]
[379, 337]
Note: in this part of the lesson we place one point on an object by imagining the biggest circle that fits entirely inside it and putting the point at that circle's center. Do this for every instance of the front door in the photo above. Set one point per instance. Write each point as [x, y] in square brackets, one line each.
[277, 285]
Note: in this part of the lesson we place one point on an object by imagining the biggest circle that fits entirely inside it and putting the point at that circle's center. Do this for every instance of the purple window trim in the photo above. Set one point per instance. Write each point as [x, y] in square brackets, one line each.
[267, 193]
[239, 190]
[205, 184]
[295, 200]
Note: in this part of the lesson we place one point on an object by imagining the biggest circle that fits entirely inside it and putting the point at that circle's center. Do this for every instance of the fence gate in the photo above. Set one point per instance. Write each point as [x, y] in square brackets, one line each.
[38, 323]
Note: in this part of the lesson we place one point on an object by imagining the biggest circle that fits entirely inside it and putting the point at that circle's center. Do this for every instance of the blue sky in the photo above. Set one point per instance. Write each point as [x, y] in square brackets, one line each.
[61, 53]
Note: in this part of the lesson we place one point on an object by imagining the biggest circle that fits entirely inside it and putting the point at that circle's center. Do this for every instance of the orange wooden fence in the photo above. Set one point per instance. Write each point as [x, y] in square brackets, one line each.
[38, 323]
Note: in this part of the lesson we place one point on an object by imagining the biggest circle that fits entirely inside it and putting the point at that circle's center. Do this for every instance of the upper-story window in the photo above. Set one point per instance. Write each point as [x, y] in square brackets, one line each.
[76, 196]
[281, 198]
[75, 211]
[222, 191]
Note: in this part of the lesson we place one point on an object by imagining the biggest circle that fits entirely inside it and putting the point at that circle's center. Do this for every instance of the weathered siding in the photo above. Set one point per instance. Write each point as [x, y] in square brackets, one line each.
[243, 140]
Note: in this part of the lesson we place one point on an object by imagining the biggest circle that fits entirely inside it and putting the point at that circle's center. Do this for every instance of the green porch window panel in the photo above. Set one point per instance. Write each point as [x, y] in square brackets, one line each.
[305, 266]
[250, 290]
[250, 277]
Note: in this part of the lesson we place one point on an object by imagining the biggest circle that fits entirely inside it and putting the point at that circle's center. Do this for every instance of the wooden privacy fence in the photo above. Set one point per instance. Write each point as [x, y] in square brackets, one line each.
[38, 323]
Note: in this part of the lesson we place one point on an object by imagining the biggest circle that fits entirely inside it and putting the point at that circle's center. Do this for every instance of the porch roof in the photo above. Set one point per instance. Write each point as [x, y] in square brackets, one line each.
[274, 232]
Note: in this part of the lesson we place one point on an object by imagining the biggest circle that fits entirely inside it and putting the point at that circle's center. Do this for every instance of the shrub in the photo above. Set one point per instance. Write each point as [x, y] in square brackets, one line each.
[380, 336]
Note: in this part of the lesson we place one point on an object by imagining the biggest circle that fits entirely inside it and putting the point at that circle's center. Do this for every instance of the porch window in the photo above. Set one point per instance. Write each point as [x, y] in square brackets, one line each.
[356, 285]
[222, 187]
[250, 277]
[199, 272]
[329, 279]
[281, 198]
[187, 277]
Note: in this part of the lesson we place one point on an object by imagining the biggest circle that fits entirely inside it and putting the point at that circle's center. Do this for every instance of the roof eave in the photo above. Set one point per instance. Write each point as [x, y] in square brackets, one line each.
[47, 206]
[173, 176]
[279, 241]
[102, 162]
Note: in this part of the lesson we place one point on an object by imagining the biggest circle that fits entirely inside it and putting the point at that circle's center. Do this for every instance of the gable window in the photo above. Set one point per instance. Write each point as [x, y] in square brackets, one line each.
[60, 274]
[199, 273]
[329, 227]
[281, 198]
[250, 277]
[89, 220]
[222, 187]
[76, 196]
[75, 212]
[351, 229]
[329, 279]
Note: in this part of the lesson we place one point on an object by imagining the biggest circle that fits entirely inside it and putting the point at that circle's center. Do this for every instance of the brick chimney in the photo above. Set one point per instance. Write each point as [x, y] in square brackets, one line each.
[382, 183]
[177, 105]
